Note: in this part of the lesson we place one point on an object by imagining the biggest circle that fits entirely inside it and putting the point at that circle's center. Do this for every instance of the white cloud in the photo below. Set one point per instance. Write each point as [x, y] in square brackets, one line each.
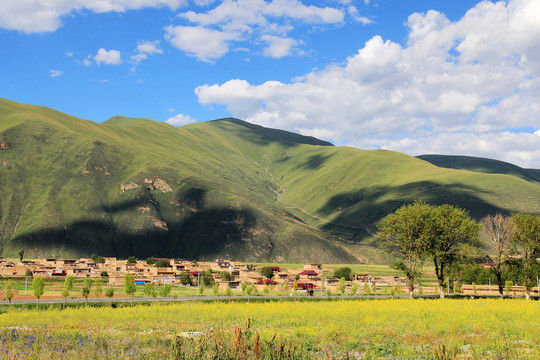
[144, 49]
[476, 79]
[278, 47]
[31, 16]
[202, 43]
[251, 21]
[87, 61]
[55, 73]
[180, 120]
[353, 12]
[149, 47]
[108, 57]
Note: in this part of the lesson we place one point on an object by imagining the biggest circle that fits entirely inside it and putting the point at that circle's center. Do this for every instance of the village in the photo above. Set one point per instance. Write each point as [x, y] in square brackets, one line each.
[226, 274]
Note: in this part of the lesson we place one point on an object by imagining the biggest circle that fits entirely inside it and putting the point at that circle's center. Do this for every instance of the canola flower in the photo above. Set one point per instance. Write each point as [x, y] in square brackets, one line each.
[354, 329]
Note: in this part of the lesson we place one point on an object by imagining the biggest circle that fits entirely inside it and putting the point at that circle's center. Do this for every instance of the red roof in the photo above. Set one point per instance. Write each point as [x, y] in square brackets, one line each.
[306, 285]
[309, 273]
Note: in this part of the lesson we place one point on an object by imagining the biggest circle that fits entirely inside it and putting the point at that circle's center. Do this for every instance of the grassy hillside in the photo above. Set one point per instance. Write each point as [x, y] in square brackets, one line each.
[223, 188]
[483, 165]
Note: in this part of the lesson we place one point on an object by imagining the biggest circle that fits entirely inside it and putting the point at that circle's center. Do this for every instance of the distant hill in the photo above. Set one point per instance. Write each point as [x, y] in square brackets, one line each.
[223, 188]
[483, 165]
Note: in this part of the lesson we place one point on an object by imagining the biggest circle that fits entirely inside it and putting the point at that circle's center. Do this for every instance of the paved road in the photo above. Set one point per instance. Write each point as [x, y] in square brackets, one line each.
[198, 298]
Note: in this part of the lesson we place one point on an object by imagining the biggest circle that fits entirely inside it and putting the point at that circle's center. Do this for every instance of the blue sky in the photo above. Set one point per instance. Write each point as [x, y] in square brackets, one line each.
[451, 77]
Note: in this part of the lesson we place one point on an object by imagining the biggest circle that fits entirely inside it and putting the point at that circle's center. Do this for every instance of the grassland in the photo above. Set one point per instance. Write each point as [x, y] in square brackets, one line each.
[369, 329]
[220, 189]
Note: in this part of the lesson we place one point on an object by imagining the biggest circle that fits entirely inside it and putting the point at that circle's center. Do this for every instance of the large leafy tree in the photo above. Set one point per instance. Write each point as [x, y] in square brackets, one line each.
[500, 230]
[450, 231]
[405, 234]
[527, 236]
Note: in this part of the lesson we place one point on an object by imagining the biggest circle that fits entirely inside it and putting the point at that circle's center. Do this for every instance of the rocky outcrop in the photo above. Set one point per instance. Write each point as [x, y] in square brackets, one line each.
[128, 186]
[156, 183]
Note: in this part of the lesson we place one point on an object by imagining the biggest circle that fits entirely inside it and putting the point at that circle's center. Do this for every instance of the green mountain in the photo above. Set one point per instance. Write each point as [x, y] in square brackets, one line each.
[483, 165]
[224, 188]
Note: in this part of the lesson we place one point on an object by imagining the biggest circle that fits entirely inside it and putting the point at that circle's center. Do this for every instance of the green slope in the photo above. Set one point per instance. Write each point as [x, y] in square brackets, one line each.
[224, 188]
[483, 165]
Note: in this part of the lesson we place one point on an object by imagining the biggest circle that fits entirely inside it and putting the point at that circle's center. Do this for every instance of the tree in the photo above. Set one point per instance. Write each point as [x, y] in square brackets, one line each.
[215, 289]
[341, 287]
[97, 289]
[132, 260]
[68, 285]
[68, 282]
[129, 286]
[163, 263]
[243, 286]
[85, 291]
[151, 260]
[38, 288]
[354, 289]
[165, 290]
[226, 276]
[206, 278]
[405, 234]
[87, 285]
[88, 282]
[295, 285]
[149, 290]
[97, 259]
[344, 272]
[109, 292]
[9, 292]
[185, 278]
[527, 236]
[228, 291]
[450, 230]
[500, 230]
[267, 272]
[21, 255]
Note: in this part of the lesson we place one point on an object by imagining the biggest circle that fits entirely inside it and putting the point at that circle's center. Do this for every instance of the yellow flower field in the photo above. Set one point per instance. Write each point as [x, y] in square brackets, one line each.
[398, 328]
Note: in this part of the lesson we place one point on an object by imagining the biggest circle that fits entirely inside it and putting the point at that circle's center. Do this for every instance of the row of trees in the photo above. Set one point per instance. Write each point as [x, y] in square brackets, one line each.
[445, 235]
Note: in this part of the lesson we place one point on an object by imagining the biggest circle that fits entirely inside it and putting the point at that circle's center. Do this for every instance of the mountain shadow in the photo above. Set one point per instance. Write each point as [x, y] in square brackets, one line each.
[264, 136]
[482, 165]
[361, 210]
[202, 234]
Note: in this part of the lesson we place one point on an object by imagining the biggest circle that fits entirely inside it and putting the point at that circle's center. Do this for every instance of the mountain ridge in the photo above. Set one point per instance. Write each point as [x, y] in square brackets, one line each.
[224, 188]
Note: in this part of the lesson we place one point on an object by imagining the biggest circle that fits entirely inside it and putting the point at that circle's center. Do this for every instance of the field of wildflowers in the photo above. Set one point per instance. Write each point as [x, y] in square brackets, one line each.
[296, 329]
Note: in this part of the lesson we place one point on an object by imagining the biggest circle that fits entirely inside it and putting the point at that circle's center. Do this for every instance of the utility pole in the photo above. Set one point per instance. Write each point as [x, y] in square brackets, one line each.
[26, 285]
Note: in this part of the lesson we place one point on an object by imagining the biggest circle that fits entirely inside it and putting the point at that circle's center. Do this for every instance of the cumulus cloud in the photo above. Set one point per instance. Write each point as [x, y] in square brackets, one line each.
[278, 47]
[55, 73]
[250, 21]
[202, 43]
[31, 16]
[108, 57]
[144, 49]
[469, 87]
[180, 120]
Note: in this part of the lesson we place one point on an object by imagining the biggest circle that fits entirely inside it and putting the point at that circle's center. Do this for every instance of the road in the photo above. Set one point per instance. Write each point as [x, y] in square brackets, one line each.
[199, 298]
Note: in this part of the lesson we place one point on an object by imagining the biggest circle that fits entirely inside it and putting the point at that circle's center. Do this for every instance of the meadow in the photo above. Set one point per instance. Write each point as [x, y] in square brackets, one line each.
[295, 329]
